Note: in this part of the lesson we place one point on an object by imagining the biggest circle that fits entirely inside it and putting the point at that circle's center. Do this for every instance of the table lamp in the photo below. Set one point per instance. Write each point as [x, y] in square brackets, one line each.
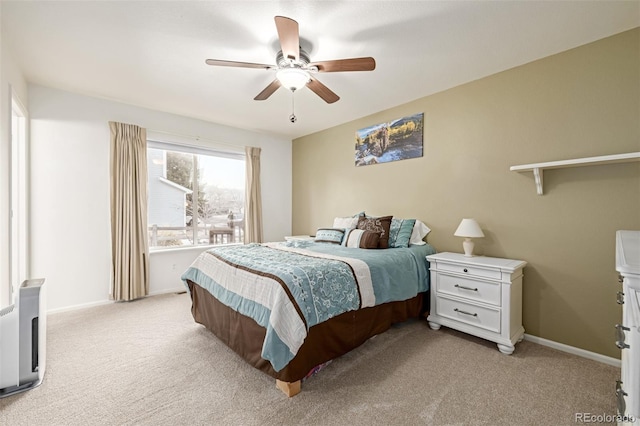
[468, 229]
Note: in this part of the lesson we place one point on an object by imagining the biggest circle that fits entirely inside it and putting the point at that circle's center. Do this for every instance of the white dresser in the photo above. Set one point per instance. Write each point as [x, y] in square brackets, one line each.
[478, 295]
[628, 331]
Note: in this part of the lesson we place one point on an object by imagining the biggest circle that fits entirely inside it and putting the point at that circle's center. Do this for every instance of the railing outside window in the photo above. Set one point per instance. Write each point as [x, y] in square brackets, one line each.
[165, 236]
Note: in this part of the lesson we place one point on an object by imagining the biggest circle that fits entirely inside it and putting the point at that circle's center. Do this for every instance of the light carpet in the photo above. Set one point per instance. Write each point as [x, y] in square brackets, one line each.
[148, 363]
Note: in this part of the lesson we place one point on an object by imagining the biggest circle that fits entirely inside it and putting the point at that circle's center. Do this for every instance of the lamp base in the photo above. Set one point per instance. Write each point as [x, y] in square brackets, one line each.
[467, 245]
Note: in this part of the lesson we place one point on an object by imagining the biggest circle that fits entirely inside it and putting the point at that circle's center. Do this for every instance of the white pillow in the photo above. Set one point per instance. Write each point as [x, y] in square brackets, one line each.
[420, 230]
[345, 222]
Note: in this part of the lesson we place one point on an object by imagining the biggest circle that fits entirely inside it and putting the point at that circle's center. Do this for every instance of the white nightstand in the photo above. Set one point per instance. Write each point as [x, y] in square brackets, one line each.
[478, 295]
[299, 238]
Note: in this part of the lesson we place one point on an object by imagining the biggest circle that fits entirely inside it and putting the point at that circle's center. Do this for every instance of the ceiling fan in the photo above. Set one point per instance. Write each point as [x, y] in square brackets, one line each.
[294, 69]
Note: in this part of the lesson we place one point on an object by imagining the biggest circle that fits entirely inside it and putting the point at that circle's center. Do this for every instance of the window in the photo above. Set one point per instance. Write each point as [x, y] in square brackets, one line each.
[196, 196]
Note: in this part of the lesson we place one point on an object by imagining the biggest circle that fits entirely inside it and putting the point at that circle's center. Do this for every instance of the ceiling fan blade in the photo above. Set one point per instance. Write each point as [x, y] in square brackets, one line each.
[323, 91]
[338, 65]
[221, 63]
[268, 91]
[289, 36]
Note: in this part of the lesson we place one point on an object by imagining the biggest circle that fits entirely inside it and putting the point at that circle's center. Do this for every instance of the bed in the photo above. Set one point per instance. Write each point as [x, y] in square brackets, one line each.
[288, 307]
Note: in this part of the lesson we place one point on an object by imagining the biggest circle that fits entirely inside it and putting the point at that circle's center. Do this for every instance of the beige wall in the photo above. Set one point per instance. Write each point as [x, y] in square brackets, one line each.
[580, 103]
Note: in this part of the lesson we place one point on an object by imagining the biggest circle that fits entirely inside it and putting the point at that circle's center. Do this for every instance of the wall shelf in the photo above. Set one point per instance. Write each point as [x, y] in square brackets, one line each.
[538, 168]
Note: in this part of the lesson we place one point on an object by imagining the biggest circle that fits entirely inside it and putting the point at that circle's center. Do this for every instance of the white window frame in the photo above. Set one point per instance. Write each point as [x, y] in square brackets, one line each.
[156, 142]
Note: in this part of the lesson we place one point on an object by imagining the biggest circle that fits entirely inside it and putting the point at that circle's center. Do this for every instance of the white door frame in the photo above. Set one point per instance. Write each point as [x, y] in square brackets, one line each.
[18, 195]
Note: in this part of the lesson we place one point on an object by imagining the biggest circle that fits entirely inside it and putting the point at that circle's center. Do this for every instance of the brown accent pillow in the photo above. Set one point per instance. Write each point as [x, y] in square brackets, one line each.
[358, 238]
[377, 224]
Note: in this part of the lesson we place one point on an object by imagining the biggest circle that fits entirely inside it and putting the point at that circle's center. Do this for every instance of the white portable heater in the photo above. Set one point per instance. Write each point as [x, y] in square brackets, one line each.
[23, 328]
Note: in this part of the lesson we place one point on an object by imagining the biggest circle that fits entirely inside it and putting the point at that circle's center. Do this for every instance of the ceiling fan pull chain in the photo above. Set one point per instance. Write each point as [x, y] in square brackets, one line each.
[292, 117]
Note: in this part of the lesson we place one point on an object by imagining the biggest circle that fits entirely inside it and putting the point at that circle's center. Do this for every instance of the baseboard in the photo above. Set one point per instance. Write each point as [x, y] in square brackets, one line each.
[77, 307]
[573, 350]
[180, 289]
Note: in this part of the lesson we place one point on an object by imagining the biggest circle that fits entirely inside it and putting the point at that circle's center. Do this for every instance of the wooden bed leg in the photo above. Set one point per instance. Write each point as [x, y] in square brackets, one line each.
[289, 388]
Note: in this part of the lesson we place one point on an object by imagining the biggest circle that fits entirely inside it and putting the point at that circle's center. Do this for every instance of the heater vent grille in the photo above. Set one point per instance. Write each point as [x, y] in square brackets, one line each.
[7, 310]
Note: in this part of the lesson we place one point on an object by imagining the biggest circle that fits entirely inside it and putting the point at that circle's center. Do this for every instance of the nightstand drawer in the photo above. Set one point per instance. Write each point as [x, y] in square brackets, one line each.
[470, 270]
[478, 316]
[482, 291]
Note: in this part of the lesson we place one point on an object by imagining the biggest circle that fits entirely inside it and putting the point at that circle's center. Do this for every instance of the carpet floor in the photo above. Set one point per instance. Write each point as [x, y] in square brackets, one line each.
[148, 363]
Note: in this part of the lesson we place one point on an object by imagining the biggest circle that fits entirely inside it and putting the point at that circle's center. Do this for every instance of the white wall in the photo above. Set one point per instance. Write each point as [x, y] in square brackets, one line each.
[11, 79]
[70, 222]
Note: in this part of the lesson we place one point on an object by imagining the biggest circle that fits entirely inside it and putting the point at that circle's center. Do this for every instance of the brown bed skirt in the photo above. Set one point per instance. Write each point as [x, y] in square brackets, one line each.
[324, 342]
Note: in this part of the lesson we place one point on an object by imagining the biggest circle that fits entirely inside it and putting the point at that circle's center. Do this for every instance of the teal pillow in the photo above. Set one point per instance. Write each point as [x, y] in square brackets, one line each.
[400, 232]
[329, 235]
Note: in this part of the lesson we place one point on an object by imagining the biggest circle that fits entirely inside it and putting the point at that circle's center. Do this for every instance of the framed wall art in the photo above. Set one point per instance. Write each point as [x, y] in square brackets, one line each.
[399, 139]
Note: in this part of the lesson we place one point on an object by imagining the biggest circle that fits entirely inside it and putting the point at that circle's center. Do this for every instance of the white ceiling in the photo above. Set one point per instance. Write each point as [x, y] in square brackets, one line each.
[152, 53]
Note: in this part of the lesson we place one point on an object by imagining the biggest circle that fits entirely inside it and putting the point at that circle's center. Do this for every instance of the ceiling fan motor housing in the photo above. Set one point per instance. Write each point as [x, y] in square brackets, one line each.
[284, 62]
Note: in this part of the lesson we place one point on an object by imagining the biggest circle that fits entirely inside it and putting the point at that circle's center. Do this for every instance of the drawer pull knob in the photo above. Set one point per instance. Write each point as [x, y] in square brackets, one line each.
[463, 312]
[620, 336]
[465, 288]
[620, 394]
[620, 298]
[465, 270]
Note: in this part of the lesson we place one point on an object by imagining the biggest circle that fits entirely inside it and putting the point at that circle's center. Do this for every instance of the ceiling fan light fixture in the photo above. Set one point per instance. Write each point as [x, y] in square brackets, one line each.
[293, 78]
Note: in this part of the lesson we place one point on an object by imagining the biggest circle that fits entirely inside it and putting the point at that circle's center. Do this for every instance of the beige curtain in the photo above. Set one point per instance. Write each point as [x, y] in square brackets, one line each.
[129, 244]
[253, 198]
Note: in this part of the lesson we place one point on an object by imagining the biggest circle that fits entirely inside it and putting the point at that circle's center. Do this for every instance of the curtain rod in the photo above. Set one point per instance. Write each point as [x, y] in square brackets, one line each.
[192, 138]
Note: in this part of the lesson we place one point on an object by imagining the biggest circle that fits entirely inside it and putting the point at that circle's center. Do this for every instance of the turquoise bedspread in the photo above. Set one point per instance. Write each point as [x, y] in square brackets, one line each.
[291, 286]
[397, 273]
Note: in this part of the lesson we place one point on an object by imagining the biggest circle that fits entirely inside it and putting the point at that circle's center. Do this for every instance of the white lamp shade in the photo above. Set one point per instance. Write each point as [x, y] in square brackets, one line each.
[469, 228]
[292, 78]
